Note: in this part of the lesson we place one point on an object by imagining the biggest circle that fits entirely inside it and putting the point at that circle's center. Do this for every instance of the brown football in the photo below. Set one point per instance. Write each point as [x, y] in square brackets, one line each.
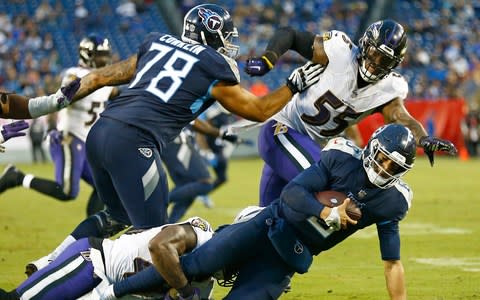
[334, 198]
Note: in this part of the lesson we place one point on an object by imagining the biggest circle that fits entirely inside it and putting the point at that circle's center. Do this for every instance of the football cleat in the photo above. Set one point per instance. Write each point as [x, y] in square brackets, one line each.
[36, 265]
[11, 177]
[30, 269]
[206, 200]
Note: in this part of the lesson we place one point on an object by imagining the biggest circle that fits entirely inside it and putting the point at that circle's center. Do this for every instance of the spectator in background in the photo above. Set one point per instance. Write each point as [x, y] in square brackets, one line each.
[471, 131]
[42, 13]
[36, 134]
[127, 12]
[47, 44]
[81, 14]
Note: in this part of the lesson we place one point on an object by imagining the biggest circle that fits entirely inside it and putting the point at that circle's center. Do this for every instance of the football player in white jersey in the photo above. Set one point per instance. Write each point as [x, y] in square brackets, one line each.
[89, 261]
[67, 141]
[356, 81]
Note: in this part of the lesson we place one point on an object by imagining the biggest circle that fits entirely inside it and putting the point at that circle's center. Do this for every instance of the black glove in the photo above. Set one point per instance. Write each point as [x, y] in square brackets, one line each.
[303, 77]
[227, 136]
[431, 144]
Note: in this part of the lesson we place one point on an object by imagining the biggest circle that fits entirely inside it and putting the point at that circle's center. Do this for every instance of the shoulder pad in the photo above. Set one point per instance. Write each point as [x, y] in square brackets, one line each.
[396, 84]
[343, 145]
[405, 190]
[339, 49]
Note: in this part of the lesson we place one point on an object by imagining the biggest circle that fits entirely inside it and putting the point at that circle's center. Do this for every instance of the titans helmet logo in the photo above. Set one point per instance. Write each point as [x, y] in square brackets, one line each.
[211, 20]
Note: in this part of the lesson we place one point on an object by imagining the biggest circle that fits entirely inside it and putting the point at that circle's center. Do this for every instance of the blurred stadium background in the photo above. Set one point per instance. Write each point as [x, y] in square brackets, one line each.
[38, 39]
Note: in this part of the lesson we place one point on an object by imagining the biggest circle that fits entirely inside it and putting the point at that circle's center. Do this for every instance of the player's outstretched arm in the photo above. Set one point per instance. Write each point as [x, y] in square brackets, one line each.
[207, 129]
[395, 112]
[111, 75]
[395, 279]
[306, 44]
[241, 102]
[20, 107]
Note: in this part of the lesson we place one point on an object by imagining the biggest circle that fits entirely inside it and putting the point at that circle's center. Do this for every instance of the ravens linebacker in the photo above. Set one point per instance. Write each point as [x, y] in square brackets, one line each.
[356, 81]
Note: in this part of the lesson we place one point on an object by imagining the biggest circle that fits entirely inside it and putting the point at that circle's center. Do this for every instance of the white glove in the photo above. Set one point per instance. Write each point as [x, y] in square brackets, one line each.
[304, 76]
[333, 219]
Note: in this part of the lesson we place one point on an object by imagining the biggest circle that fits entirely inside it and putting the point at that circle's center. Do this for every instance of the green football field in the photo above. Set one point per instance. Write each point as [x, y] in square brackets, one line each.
[440, 235]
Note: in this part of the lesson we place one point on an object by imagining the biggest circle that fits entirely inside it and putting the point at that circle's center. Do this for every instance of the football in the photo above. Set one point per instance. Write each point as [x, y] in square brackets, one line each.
[334, 198]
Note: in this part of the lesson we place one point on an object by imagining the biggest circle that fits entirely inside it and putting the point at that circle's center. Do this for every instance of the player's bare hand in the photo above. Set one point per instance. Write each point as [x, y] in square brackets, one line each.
[345, 220]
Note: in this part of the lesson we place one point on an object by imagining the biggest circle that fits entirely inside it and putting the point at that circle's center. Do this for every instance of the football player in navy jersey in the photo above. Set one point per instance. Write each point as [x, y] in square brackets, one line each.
[266, 250]
[171, 81]
[356, 81]
[188, 169]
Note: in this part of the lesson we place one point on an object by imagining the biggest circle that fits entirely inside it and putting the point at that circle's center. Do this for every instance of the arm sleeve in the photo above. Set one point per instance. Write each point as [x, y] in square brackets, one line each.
[389, 237]
[298, 201]
[287, 38]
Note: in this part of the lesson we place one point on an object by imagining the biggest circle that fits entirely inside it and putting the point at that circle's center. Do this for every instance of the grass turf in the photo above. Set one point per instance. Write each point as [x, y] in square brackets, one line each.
[440, 235]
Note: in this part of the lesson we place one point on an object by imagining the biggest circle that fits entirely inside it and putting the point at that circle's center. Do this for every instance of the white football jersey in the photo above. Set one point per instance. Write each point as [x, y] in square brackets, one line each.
[129, 253]
[333, 103]
[79, 117]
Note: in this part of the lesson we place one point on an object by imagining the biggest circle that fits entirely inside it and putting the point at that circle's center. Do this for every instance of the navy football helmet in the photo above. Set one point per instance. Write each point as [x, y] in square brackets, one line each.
[95, 51]
[210, 24]
[382, 48]
[389, 154]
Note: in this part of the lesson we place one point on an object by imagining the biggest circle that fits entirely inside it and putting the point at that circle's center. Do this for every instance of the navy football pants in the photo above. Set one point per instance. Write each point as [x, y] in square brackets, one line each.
[128, 173]
[262, 272]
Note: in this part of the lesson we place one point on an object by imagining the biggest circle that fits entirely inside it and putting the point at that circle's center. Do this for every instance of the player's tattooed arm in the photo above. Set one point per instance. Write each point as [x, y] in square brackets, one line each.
[396, 112]
[116, 74]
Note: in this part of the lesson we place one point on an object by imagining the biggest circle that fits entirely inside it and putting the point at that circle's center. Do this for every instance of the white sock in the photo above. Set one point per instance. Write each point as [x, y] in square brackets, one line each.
[67, 242]
[27, 180]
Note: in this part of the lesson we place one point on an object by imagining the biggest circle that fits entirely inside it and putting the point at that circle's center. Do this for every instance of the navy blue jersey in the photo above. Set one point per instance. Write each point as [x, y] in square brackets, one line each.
[340, 169]
[171, 86]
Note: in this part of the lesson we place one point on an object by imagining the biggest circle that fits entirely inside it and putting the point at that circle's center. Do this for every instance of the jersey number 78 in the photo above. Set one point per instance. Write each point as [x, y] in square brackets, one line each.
[168, 70]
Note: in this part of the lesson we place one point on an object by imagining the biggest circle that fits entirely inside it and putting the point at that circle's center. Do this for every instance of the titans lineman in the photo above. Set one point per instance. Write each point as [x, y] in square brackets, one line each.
[67, 141]
[356, 82]
[171, 81]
